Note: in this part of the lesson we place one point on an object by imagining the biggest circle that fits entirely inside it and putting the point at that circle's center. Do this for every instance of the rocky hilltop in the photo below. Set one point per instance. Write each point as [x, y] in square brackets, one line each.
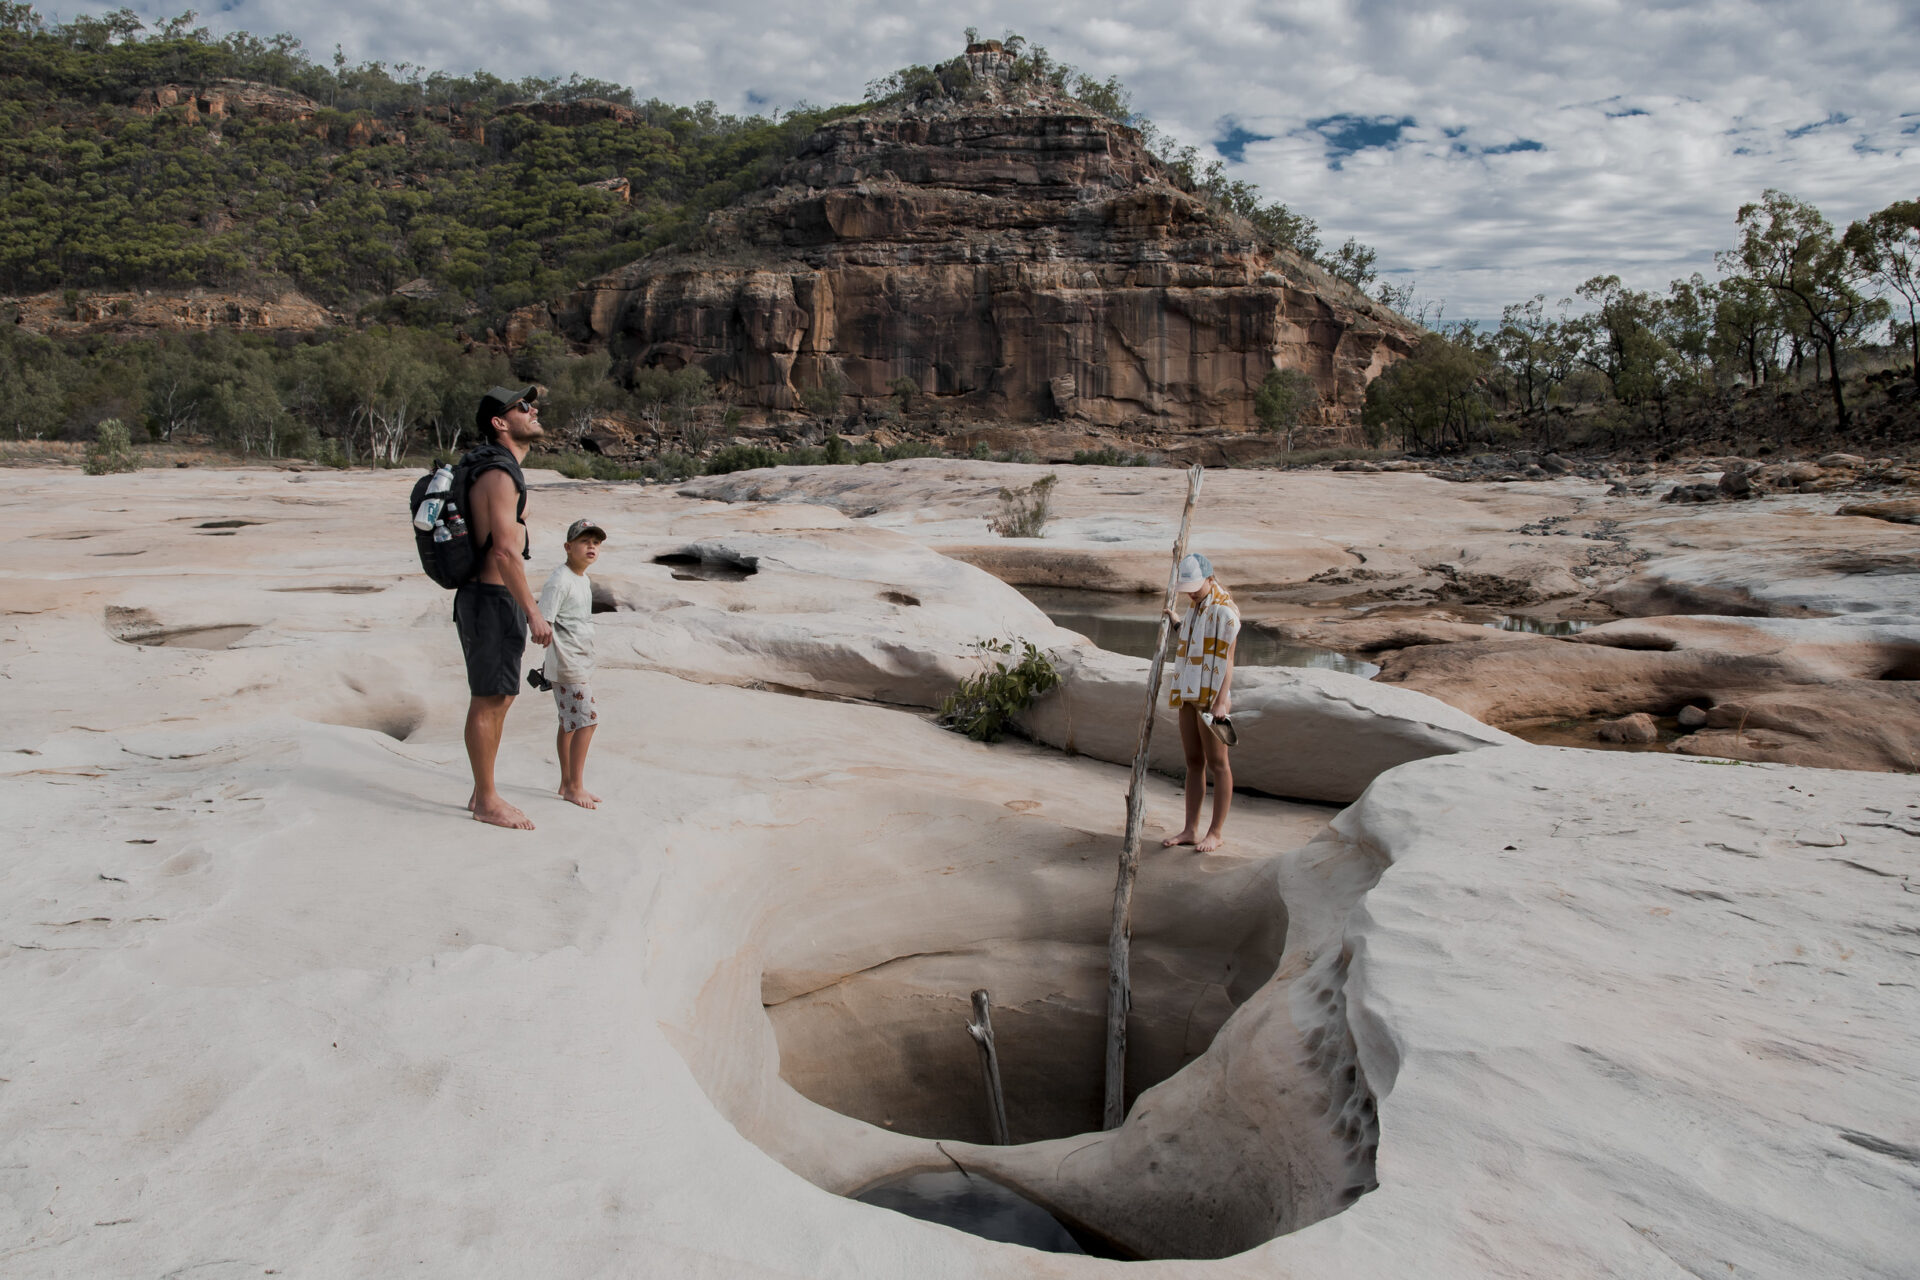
[1011, 253]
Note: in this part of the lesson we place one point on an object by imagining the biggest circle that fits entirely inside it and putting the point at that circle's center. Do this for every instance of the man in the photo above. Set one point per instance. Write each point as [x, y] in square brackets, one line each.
[495, 610]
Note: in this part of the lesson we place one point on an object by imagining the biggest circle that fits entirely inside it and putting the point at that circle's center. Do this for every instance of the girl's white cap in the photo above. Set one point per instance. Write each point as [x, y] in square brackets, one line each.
[1194, 570]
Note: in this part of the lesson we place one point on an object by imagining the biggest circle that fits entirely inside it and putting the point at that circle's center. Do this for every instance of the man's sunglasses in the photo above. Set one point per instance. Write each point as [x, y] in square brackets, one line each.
[524, 406]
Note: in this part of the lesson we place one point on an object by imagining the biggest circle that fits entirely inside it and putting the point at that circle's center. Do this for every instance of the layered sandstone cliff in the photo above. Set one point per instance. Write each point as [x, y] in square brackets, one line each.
[1011, 254]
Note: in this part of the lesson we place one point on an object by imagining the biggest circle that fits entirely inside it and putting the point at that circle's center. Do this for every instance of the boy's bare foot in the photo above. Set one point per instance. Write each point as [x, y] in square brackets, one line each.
[1212, 841]
[1185, 837]
[580, 796]
[502, 814]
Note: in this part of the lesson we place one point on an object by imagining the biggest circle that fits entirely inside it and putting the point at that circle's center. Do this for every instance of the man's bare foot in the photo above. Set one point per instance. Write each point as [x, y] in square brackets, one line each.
[1212, 841]
[1185, 837]
[470, 797]
[502, 814]
[580, 796]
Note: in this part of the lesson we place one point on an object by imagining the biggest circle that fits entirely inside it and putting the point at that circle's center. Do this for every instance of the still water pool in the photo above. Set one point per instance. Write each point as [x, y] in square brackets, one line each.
[1130, 624]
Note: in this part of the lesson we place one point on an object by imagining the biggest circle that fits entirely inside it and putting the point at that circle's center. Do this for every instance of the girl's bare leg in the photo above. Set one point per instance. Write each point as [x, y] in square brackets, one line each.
[1220, 771]
[1196, 789]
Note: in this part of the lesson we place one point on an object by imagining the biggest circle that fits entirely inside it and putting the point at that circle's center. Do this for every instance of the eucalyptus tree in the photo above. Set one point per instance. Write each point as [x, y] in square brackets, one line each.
[1885, 247]
[1789, 246]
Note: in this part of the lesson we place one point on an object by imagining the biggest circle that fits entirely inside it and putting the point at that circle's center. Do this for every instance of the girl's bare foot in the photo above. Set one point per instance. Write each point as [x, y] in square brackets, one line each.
[502, 814]
[594, 798]
[580, 796]
[1212, 841]
[1185, 837]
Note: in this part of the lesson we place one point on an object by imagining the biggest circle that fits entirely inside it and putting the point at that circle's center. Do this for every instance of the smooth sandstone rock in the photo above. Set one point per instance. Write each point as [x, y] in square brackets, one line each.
[1833, 692]
[284, 979]
[1896, 510]
[1304, 733]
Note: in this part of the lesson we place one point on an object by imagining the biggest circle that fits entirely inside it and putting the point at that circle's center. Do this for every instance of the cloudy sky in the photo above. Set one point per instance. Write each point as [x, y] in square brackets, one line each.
[1488, 150]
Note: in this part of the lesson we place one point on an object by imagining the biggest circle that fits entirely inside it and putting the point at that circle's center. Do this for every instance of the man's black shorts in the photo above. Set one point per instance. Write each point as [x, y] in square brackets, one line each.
[493, 635]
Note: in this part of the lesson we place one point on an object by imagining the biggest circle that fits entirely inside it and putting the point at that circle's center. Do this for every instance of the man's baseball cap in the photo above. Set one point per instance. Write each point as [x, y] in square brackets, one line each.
[582, 527]
[496, 402]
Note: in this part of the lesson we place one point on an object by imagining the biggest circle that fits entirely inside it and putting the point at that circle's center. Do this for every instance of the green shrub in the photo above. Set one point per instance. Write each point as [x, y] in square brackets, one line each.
[1108, 456]
[742, 457]
[983, 705]
[1283, 399]
[1314, 457]
[673, 466]
[909, 449]
[328, 453]
[866, 453]
[1023, 512]
[980, 452]
[608, 469]
[823, 399]
[111, 450]
[837, 451]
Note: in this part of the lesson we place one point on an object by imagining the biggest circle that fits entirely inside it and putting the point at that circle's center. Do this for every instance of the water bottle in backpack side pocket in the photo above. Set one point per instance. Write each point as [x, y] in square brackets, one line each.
[435, 502]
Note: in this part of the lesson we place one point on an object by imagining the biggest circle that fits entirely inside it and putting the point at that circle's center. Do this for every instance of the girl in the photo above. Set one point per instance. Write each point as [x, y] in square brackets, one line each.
[1202, 693]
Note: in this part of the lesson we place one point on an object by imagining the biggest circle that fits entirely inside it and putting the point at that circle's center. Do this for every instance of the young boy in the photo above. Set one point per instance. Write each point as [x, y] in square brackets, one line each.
[567, 603]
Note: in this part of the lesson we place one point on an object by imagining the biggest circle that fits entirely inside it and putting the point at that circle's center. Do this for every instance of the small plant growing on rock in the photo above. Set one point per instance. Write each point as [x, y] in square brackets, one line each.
[111, 450]
[1024, 512]
[984, 705]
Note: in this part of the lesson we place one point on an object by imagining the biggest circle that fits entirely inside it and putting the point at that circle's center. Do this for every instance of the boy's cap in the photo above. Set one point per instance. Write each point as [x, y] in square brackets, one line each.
[580, 528]
[496, 402]
[1194, 570]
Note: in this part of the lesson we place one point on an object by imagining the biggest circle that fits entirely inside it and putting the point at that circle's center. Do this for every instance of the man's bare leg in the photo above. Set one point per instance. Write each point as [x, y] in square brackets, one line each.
[573, 768]
[1221, 772]
[1196, 786]
[486, 719]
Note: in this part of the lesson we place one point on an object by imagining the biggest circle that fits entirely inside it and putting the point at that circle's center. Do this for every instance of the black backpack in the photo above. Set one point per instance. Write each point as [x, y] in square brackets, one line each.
[447, 550]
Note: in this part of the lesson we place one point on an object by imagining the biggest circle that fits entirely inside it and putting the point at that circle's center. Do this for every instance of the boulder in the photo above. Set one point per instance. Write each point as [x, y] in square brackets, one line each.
[1304, 733]
[1897, 510]
[1636, 728]
[1692, 717]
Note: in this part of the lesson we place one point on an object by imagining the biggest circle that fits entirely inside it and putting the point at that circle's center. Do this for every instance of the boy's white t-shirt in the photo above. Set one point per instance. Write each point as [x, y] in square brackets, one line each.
[567, 604]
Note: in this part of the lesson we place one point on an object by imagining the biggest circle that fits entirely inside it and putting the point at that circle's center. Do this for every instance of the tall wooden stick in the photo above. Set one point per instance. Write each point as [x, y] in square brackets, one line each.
[1120, 937]
[981, 1029]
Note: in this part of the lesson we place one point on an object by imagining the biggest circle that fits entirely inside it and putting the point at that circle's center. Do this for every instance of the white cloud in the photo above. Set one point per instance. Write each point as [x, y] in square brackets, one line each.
[1655, 119]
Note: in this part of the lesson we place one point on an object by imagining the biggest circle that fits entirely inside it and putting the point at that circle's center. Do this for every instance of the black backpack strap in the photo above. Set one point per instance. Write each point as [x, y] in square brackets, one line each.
[476, 463]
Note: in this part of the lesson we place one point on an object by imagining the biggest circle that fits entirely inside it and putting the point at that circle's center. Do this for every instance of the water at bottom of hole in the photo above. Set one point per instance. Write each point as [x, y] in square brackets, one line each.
[982, 1207]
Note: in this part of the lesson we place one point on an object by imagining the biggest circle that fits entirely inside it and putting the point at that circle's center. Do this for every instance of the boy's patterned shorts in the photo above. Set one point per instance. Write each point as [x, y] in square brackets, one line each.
[576, 706]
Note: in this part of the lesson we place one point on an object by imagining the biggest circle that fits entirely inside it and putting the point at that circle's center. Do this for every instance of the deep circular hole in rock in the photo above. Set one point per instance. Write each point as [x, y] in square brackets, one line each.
[888, 1044]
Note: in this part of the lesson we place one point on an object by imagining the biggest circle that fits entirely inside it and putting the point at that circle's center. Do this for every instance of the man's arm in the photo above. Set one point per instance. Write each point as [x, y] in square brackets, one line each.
[493, 493]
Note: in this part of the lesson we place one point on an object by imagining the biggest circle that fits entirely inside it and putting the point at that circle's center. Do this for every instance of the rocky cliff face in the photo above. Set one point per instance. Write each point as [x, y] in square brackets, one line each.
[1015, 256]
